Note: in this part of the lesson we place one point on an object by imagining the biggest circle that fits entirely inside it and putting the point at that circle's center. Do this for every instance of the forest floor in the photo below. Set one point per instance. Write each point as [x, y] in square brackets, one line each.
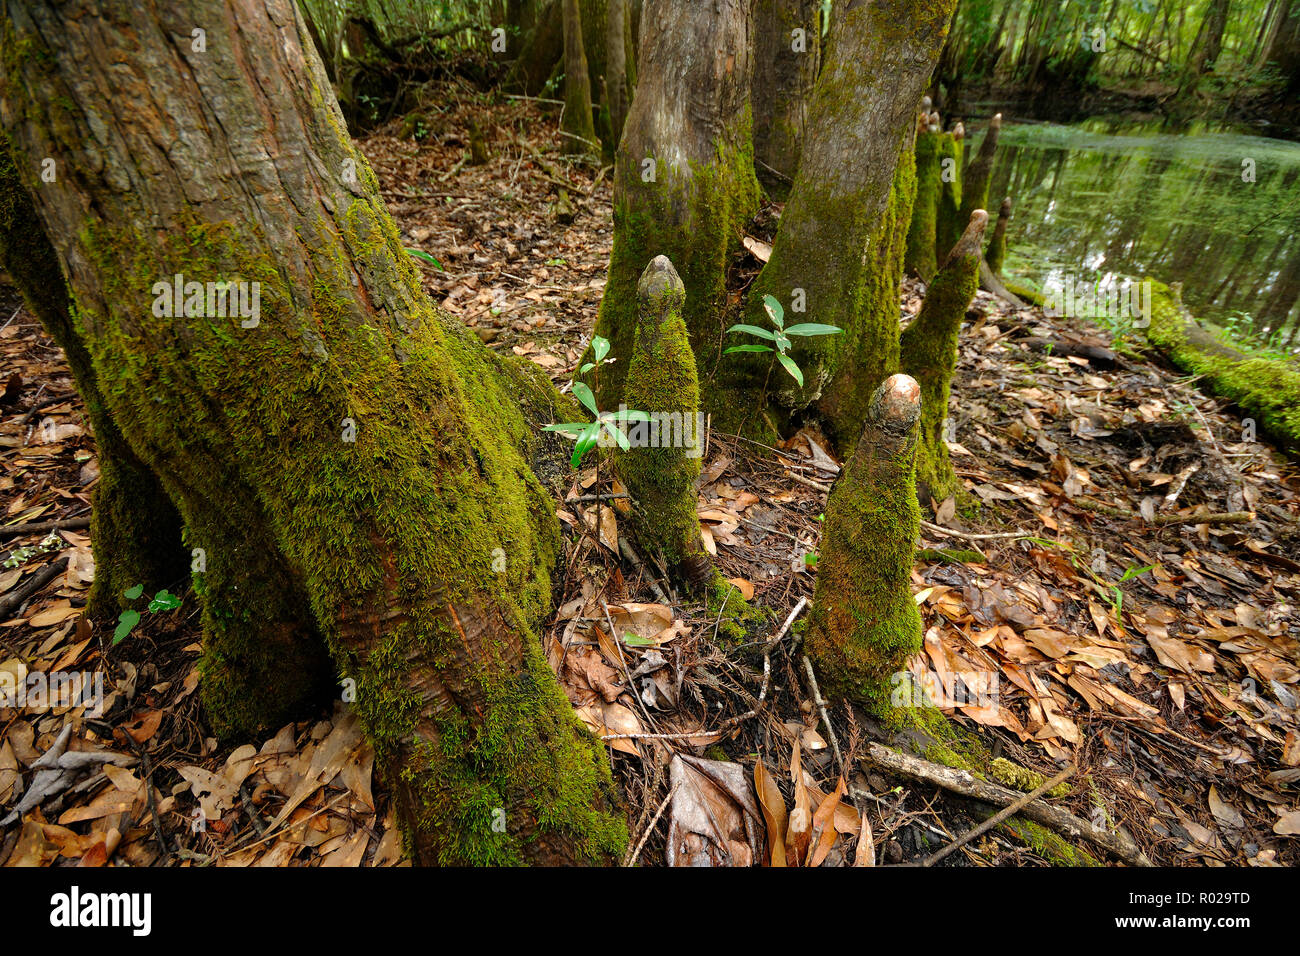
[1103, 622]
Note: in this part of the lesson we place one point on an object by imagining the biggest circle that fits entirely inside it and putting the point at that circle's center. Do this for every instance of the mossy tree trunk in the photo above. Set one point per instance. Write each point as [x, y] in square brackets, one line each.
[929, 354]
[618, 93]
[864, 623]
[840, 229]
[578, 128]
[353, 445]
[662, 465]
[135, 529]
[684, 175]
[787, 55]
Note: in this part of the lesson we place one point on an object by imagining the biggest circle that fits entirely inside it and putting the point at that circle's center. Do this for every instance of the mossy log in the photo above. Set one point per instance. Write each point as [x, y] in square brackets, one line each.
[351, 457]
[135, 529]
[996, 254]
[929, 354]
[684, 181]
[1266, 389]
[662, 466]
[839, 251]
[864, 624]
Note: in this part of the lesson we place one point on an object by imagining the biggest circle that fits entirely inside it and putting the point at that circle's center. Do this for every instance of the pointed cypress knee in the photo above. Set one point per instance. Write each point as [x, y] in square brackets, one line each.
[949, 224]
[975, 182]
[663, 463]
[928, 352]
[919, 257]
[864, 623]
[996, 254]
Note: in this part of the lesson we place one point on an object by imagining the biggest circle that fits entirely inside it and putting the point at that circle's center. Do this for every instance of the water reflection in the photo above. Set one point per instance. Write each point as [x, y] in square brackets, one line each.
[1217, 211]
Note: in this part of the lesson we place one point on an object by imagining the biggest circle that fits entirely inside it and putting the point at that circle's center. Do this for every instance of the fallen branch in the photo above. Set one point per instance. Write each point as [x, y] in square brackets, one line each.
[967, 536]
[12, 602]
[1161, 521]
[1117, 843]
[997, 818]
[37, 527]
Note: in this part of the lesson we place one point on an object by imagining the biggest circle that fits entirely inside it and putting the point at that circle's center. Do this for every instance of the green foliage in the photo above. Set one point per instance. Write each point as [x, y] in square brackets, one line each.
[129, 618]
[586, 435]
[779, 336]
[420, 254]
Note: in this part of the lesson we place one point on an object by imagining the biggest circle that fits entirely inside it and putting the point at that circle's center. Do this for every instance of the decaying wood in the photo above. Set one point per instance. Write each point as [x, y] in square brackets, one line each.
[1118, 843]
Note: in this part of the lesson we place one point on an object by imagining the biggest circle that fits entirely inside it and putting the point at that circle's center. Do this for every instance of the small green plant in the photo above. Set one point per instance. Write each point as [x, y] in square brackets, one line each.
[128, 619]
[420, 254]
[586, 435]
[779, 337]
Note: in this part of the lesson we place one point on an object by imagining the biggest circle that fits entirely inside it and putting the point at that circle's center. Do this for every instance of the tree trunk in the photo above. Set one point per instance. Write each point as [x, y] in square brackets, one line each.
[618, 92]
[839, 250]
[684, 178]
[135, 530]
[353, 444]
[975, 179]
[577, 128]
[787, 55]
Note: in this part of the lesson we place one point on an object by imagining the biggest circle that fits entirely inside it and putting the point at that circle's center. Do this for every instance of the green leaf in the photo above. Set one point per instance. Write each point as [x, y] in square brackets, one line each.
[583, 393]
[164, 601]
[572, 429]
[132, 593]
[586, 442]
[420, 254]
[812, 328]
[636, 640]
[617, 434]
[599, 347]
[774, 310]
[125, 621]
[753, 330]
[791, 367]
[747, 348]
[586, 368]
[782, 343]
[632, 415]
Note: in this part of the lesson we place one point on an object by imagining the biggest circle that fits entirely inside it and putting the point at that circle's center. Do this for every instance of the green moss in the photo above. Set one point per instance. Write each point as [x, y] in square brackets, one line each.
[737, 620]
[1050, 846]
[1013, 775]
[1267, 389]
[659, 468]
[929, 355]
[694, 215]
[921, 236]
[948, 223]
[864, 623]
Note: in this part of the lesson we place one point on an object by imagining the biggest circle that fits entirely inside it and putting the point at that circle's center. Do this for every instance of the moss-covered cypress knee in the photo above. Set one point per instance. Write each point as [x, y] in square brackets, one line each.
[996, 254]
[975, 182]
[661, 467]
[948, 223]
[929, 354]
[864, 623]
[920, 257]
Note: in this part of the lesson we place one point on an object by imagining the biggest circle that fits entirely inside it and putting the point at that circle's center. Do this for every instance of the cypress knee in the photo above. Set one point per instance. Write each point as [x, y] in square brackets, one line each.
[920, 257]
[929, 353]
[949, 223]
[975, 182]
[864, 623]
[996, 253]
[663, 463]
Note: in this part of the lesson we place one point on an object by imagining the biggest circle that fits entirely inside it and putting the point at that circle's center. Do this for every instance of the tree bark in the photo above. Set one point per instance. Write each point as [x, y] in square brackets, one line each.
[787, 54]
[843, 231]
[578, 127]
[355, 445]
[684, 178]
[135, 529]
[618, 92]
